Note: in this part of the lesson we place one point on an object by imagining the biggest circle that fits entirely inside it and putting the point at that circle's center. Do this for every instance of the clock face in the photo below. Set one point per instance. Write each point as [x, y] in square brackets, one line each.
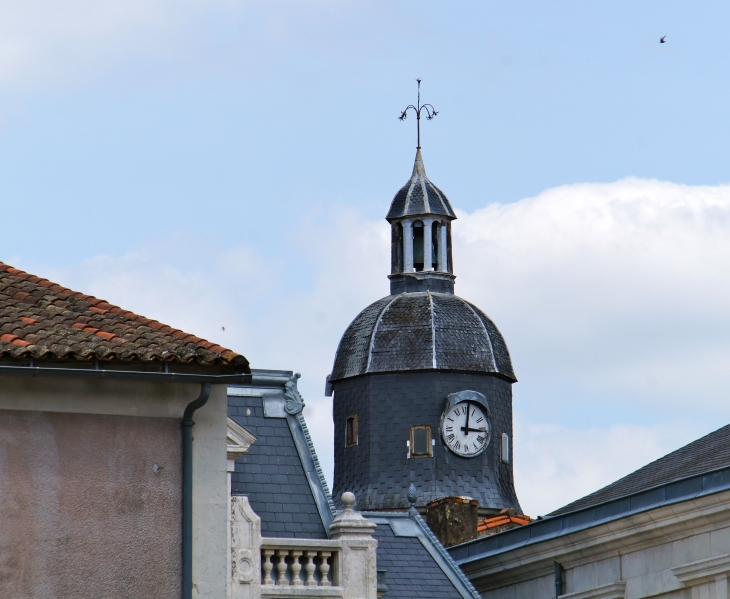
[465, 429]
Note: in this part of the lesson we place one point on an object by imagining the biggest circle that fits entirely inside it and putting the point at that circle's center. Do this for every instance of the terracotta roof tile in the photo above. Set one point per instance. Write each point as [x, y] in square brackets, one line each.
[43, 320]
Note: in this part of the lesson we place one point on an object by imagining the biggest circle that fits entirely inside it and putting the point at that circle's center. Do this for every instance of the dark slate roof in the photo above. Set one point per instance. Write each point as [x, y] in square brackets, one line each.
[421, 331]
[45, 321]
[420, 197]
[711, 452]
[417, 565]
[280, 473]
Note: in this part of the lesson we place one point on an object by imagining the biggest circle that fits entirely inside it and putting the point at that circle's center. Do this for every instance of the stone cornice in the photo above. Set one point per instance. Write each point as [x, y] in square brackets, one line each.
[617, 590]
[703, 570]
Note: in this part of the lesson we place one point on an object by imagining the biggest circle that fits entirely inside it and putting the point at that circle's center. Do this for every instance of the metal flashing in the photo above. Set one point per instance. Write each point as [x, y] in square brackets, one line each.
[312, 469]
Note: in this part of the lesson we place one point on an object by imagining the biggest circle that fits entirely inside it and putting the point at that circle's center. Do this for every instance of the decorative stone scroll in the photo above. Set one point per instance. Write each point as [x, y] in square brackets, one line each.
[294, 402]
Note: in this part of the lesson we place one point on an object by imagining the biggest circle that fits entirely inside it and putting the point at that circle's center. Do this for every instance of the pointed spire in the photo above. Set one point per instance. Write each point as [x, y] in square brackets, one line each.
[418, 167]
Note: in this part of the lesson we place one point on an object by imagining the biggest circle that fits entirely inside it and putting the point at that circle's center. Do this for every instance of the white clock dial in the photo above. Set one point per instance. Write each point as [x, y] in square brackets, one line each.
[465, 429]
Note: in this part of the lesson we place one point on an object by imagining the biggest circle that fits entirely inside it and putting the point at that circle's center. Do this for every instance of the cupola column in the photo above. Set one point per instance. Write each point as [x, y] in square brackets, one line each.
[427, 244]
[407, 246]
[443, 251]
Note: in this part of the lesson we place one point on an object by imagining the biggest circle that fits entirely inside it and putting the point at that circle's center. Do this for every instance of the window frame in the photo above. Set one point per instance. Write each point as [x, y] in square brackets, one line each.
[429, 441]
[349, 442]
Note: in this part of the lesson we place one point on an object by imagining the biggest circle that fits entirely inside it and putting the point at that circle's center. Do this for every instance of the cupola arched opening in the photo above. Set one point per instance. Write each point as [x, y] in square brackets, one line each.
[418, 248]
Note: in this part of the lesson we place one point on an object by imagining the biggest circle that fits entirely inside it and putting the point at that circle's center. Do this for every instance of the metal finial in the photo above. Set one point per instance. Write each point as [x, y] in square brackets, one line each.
[430, 113]
[412, 494]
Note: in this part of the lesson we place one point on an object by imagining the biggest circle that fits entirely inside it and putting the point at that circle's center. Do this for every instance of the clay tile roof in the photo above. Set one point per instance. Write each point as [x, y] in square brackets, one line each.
[45, 321]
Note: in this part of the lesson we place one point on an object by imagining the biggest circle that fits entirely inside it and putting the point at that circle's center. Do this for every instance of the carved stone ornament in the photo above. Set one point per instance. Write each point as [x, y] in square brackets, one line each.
[294, 402]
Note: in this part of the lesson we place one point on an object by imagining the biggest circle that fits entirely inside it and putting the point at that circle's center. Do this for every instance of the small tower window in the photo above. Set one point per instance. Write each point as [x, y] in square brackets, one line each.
[421, 441]
[351, 431]
[418, 245]
[505, 448]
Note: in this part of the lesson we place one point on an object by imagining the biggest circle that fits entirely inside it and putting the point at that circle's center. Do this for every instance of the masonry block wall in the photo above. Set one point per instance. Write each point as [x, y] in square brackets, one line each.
[378, 469]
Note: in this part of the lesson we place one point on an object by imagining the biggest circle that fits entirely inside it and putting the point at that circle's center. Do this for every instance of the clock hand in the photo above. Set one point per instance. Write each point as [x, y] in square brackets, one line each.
[466, 428]
[473, 430]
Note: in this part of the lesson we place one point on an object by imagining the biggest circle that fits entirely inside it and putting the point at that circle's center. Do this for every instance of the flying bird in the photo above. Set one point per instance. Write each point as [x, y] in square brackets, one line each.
[223, 328]
[663, 39]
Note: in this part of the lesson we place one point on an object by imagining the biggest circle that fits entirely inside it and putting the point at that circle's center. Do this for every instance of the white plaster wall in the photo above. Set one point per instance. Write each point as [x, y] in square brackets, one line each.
[210, 497]
[163, 400]
[84, 396]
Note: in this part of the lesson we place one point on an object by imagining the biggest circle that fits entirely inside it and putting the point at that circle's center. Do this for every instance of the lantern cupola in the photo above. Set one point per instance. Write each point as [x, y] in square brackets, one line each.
[420, 218]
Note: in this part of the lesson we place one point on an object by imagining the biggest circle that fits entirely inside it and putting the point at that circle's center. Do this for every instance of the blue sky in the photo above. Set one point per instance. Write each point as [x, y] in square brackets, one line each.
[228, 163]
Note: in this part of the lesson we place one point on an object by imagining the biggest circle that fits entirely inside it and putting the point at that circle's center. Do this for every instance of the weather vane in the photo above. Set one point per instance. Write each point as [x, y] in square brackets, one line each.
[430, 112]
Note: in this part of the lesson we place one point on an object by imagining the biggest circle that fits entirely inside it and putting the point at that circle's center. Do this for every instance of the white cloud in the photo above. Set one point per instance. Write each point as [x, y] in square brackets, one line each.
[558, 465]
[613, 298]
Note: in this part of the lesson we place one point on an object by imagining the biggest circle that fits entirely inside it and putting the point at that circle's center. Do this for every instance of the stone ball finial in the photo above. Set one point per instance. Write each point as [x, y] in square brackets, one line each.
[348, 500]
[412, 494]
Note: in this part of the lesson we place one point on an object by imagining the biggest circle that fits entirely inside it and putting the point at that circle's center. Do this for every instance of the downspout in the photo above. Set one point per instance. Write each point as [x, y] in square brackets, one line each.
[187, 458]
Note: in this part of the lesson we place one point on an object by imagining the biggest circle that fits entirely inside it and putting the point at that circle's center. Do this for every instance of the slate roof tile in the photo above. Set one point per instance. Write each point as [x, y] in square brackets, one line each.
[43, 320]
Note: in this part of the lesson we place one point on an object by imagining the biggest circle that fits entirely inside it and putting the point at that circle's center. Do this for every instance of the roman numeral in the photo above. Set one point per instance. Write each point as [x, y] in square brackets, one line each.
[449, 429]
[473, 412]
[481, 439]
[466, 448]
[450, 438]
[480, 419]
[475, 447]
[449, 419]
[457, 445]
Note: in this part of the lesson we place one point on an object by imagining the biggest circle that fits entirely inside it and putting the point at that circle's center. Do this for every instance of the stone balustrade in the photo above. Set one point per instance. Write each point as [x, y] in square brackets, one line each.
[341, 567]
[285, 562]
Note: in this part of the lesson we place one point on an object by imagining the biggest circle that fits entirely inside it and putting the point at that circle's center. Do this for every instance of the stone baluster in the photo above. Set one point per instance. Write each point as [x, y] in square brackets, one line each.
[281, 566]
[310, 567]
[296, 567]
[268, 566]
[325, 568]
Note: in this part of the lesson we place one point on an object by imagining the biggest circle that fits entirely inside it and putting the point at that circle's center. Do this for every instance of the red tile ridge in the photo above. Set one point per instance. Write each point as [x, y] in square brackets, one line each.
[27, 320]
[98, 310]
[78, 325]
[87, 329]
[21, 295]
[105, 335]
[8, 338]
[20, 342]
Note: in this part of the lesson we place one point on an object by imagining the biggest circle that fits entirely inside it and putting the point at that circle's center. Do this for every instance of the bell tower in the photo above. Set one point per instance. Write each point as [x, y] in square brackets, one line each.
[422, 379]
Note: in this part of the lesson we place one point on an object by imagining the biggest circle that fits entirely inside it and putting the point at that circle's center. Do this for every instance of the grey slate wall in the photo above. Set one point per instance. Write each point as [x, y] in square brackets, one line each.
[272, 476]
[378, 471]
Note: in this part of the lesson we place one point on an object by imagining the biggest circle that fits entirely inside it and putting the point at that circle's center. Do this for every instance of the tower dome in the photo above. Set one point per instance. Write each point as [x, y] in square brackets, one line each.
[421, 331]
[419, 197]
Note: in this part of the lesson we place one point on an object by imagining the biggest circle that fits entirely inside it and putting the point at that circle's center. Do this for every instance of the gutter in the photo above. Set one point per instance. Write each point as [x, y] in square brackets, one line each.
[102, 373]
[187, 458]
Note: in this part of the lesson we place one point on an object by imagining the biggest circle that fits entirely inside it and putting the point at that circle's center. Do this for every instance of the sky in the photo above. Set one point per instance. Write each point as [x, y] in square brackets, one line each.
[226, 163]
